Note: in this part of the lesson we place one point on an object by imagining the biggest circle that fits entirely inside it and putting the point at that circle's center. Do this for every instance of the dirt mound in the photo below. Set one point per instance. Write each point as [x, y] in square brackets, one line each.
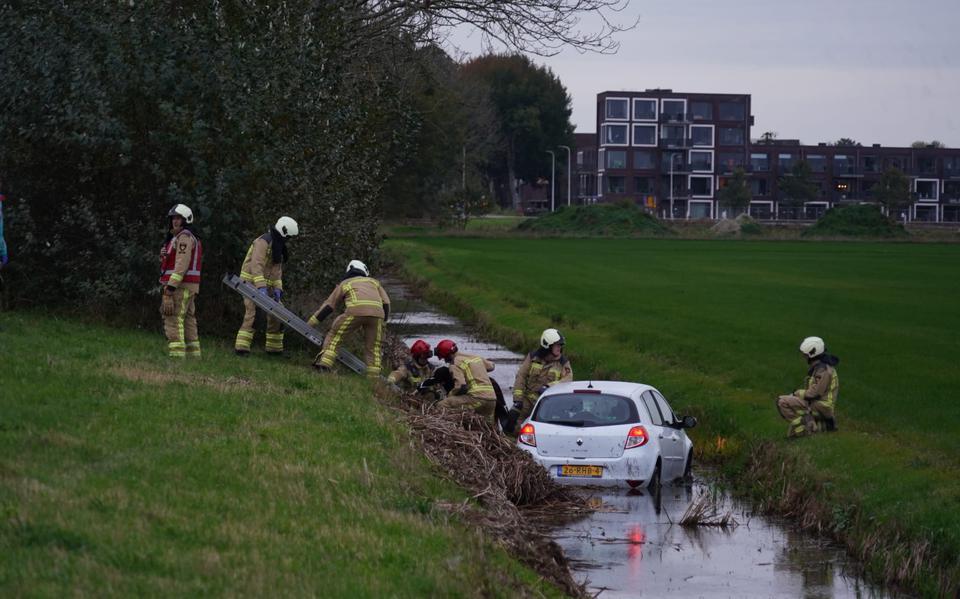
[598, 219]
[855, 221]
[740, 226]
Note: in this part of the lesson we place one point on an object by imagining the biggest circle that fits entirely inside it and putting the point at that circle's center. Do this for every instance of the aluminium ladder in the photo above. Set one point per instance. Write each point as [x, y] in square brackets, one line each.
[290, 320]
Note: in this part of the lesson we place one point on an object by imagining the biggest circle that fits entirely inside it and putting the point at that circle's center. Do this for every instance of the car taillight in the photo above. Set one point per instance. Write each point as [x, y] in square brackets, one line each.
[527, 435]
[636, 437]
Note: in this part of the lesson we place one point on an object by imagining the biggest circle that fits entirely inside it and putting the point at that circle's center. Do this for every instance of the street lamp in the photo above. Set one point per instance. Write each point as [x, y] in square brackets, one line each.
[673, 157]
[567, 148]
[553, 171]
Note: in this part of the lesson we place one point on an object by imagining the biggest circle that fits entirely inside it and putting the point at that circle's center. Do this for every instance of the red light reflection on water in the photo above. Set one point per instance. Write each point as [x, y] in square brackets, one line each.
[635, 548]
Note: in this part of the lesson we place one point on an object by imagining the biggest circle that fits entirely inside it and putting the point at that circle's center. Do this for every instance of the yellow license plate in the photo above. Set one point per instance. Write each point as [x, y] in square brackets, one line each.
[591, 471]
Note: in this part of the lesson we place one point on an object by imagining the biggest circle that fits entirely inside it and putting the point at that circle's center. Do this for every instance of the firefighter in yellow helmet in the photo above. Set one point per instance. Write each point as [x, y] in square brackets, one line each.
[472, 387]
[811, 409]
[414, 371]
[542, 368]
[181, 260]
[263, 268]
[366, 307]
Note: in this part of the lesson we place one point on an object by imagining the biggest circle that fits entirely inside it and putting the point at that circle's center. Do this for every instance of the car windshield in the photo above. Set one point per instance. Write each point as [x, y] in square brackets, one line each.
[585, 409]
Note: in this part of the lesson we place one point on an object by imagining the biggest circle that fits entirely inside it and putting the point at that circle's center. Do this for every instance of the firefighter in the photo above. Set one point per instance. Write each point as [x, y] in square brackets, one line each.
[415, 371]
[542, 368]
[366, 307]
[472, 388]
[811, 409]
[181, 260]
[263, 268]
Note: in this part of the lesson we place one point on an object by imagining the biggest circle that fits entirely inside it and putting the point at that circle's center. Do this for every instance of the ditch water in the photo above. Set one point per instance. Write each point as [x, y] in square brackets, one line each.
[634, 546]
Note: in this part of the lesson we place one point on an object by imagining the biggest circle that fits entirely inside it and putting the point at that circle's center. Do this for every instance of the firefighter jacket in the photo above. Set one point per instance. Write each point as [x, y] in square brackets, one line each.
[470, 376]
[361, 296]
[181, 260]
[410, 375]
[821, 385]
[538, 371]
[258, 265]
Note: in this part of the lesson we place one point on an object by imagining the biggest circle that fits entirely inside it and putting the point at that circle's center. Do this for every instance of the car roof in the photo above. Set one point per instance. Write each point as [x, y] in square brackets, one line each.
[624, 388]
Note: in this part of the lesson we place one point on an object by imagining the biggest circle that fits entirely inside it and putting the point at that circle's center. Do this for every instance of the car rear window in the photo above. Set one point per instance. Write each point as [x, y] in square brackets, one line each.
[585, 409]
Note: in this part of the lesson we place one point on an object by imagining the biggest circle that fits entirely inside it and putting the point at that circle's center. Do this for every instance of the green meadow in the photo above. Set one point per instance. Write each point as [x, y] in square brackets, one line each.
[716, 325]
[123, 473]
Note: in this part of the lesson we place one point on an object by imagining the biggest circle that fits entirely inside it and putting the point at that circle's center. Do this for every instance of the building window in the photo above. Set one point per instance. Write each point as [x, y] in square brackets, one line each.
[644, 109]
[673, 135]
[644, 135]
[731, 136]
[951, 166]
[901, 163]
[580, 159]
[701, 135]
[758, 187]
[731, 111]
[844, 165]
[870, 164]
[727, 162]
[643, 159]
[817, 162]
[785, 162]
[700, 209]
[701, 111]
[616, 159]
[614, 135]
[701, 160]
[926, 165]
[616, 184]
[951, 190]
[673, 110]
[701, 186]
[643, 185]
[928, 190]
[616, 109]
[759, 163]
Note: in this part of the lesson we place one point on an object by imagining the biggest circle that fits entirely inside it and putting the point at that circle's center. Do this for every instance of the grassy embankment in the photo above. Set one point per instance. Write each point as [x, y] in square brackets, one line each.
[715, 325]
[123, 473]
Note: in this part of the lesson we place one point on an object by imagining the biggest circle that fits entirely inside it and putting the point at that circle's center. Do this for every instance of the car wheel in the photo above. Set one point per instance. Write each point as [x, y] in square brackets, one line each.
[688, 469]
[654, 482]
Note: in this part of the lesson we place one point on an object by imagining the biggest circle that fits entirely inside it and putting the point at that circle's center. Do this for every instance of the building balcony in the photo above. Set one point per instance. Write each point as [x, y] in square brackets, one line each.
[675, 117]
[679, 143]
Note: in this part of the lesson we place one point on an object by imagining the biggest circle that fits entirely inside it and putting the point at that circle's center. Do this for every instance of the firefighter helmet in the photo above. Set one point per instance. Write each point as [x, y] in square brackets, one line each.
[420, 349]
[182, 210]
[549, 337]
[357, 265]
[445, 349]
[287, 227]
[812, 347]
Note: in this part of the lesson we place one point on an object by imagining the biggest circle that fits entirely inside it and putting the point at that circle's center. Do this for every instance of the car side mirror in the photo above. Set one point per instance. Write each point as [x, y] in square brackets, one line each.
[688, 422]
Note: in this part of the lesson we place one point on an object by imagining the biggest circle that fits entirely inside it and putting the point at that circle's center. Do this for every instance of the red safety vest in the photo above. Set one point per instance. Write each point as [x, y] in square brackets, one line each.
[170, 260]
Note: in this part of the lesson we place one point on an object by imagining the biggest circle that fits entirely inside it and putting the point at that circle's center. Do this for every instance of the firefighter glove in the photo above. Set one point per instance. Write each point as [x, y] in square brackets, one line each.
[313, 321]
[277, 294]
[167, 307]
[517, 406]
[262, 290]
[4, 259]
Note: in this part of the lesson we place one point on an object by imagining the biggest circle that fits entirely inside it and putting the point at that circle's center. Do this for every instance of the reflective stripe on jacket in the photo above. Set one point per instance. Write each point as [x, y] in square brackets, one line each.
[535, 372]
[822, 384]
[472, 371]
[182, 261]
[361, 296]
[258, 266]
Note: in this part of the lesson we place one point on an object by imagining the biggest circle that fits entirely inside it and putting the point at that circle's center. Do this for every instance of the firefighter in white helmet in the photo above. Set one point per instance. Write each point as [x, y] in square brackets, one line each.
[812, 408]
[542, 368]
[263, 268]
[366, 307]
[181, 260]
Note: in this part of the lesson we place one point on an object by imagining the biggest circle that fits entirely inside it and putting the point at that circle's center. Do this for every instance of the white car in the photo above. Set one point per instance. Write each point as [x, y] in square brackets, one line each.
[608, 432]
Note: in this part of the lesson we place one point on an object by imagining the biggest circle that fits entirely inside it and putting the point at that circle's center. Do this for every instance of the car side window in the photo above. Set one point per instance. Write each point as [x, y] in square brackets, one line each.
[665, 409]
[652, 409]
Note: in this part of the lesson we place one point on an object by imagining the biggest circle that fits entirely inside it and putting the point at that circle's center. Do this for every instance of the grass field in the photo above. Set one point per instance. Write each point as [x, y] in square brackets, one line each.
[716, 324]
[123, 473]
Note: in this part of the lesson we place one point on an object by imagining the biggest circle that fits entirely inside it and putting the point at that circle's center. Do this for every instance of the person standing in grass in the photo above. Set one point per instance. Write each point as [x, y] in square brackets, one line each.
[472, 388]
[811, 409]
[542, 368]
[181, 259]
[263, 268]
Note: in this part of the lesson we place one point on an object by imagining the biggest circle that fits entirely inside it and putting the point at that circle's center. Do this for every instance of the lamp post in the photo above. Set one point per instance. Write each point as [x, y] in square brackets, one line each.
[567, 148]
[553, 171]
[673, 157]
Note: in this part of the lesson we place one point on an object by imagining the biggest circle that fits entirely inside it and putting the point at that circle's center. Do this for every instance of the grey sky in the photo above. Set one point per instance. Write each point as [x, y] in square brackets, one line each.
[878, 71]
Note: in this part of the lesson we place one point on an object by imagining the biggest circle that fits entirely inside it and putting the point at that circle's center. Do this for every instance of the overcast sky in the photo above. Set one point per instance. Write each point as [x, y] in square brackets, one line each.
[878, 71]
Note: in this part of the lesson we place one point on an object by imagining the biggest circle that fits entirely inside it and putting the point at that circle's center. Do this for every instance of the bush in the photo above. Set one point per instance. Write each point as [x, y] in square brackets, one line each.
[857, 221]
[599, 219]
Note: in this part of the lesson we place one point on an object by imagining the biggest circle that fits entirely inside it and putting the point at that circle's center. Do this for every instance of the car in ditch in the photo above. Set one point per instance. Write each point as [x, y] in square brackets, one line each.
[608, 432]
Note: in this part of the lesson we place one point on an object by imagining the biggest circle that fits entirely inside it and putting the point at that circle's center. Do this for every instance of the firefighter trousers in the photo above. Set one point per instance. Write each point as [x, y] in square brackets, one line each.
[343, 325]
[483, 407]
[181, 327]
[245, 334]
[805, 417]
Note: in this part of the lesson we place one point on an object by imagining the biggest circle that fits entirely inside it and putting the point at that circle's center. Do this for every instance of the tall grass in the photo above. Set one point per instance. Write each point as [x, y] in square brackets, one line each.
[123, 473]
[716, 324]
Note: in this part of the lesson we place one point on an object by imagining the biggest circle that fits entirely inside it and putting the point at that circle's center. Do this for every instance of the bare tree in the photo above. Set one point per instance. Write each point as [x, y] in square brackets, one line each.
[541, 27]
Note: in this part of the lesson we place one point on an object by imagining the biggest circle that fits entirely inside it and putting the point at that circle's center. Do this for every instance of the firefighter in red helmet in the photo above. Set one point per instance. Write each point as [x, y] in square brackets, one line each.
[472, 387]
[416, 370]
